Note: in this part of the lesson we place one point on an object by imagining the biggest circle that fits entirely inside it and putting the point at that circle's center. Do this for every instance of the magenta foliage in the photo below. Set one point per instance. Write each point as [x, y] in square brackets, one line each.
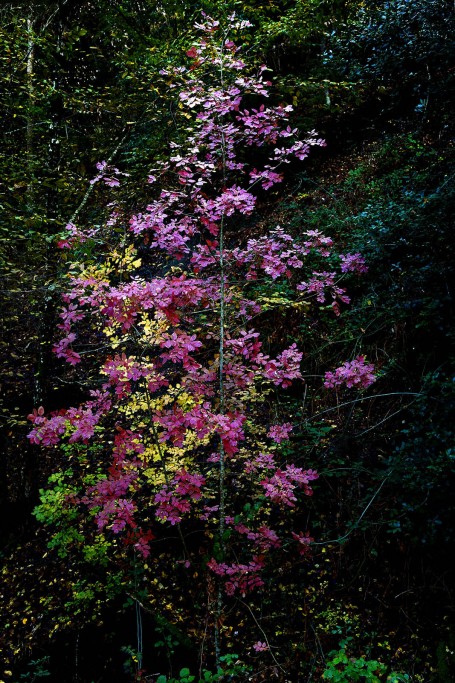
[108, 174]
[259, 646]
[47, 431]
[263, 539]
[280, 488]
[215, 366]
[241, 578]
[173, 501]
[112, 497]
[354, 263]
[280, 432]
[79, 423]
[75, 235]
[317, 285]
[355, 373]
[304, 541]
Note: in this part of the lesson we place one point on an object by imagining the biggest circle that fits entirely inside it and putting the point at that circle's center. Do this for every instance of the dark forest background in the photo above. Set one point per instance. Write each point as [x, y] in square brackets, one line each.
[78, 84]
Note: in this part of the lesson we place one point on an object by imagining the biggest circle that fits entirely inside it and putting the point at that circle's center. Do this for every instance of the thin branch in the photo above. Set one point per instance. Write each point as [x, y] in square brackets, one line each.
[91, 187]
[263, 633]
[363, 398]
[365, 510]
[387, 417]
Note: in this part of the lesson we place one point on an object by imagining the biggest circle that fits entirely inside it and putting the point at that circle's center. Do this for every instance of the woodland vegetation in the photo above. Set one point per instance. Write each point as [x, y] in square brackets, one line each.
[227, 344]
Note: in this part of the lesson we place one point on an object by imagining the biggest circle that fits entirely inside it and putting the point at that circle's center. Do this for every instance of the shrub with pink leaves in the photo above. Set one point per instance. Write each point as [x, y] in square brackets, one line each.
[177, 403]
[355, 373]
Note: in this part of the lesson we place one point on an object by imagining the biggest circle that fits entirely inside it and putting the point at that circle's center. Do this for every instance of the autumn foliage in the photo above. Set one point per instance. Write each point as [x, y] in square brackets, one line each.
[183, 407]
